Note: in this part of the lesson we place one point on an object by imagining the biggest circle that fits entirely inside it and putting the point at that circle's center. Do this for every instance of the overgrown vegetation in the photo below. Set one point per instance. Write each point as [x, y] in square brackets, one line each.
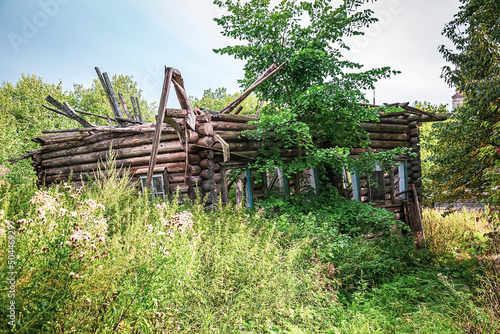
[106, 258]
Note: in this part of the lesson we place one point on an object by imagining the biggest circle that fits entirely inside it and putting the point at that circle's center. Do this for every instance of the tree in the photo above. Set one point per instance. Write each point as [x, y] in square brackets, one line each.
[317, 96]
[464, 157]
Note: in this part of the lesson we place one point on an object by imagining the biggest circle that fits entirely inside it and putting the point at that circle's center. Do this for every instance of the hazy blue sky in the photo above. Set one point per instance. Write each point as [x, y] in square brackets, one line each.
[65, 40]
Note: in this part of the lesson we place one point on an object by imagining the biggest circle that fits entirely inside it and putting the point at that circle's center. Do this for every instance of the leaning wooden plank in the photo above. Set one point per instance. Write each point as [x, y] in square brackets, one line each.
[108, 95]
[136, 113]
[139, 109]
[184, 100]
[124, 106]
[66, 110]
[269, 73]
[24, 156]
[159, 123]
[109, 86]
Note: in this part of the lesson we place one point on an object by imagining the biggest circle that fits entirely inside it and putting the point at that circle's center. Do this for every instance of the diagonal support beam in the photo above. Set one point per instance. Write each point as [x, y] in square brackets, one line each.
[183, 99]
[159, 123]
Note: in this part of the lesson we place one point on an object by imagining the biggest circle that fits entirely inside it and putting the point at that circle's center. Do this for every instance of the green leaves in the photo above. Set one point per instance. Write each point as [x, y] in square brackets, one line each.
[314, 102]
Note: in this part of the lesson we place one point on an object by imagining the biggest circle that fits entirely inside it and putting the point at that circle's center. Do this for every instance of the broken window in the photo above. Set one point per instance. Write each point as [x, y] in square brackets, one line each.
[157, 186]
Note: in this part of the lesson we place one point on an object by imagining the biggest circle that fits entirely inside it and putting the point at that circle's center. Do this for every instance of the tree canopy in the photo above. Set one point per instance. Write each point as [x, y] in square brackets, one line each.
[317, 96]
[465, 152]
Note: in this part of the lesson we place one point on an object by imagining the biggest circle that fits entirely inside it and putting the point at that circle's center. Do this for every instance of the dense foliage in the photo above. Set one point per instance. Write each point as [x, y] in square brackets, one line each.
[466, 158]
[316, 97]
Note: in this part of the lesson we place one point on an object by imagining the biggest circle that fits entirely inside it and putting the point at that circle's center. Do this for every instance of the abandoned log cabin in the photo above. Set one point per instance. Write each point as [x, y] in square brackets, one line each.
[192, 151]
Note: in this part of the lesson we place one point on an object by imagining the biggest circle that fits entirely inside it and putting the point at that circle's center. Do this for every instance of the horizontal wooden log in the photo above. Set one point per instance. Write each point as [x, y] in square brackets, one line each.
[204, 118]
[388, 144]
[122, 153]
[246, 146]
[176, 113]
[414, 132]
[207, 175]
[104, 145]
[233, 118]
[394, 120]
[130, 162]
[414, 140]
[232, 135]
[210, 185]
[61, 137]
[231, 126]
[176, 177]
[388, 136]
[427, 118]
[194, 159]
[384, 128]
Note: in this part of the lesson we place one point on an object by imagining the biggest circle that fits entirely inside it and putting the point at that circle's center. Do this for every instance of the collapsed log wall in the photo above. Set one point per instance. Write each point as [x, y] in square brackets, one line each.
[78, 155]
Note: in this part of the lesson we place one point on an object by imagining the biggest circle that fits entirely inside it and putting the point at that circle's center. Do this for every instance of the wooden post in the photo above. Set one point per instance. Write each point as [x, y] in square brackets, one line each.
[225, 186]
[159, 124]
[239, 191]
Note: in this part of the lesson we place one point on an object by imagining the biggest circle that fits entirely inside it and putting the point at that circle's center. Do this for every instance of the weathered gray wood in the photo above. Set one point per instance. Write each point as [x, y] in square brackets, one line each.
[239, 192]
[124, 106]
[108, 95]
[159, 123]
[139, 109]
[66, 110]
[109, 87]
[136, 113]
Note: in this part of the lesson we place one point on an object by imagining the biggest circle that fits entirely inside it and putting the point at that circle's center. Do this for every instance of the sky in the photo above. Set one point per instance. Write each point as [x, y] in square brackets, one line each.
[63, 40]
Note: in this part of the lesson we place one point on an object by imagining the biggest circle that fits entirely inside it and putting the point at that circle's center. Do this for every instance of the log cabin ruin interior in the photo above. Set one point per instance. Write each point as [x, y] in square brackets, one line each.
[193, 151]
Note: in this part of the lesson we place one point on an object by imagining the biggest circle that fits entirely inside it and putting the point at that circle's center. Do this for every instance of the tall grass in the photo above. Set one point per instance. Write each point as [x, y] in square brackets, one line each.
[470, 236]
[450, 233]
[104, 259]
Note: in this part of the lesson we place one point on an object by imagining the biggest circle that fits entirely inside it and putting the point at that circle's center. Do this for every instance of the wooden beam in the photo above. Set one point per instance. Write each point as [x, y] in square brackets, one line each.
[159, 124]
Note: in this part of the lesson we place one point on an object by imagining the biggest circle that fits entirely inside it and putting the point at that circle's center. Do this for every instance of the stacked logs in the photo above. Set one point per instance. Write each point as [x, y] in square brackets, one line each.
[78, 153]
